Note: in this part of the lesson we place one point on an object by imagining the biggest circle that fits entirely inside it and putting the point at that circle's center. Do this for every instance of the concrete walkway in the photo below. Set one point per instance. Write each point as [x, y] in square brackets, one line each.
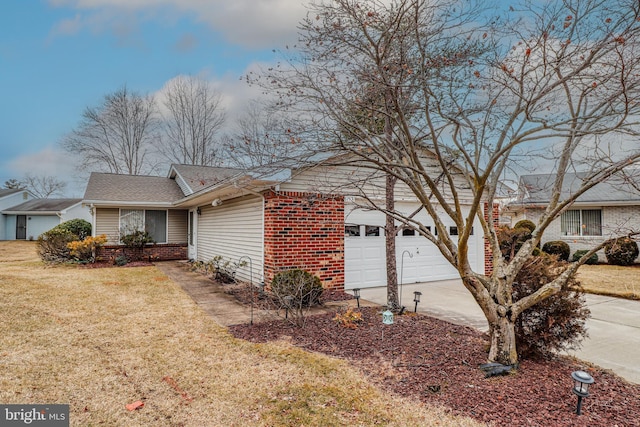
[614, 326]
[223, 307]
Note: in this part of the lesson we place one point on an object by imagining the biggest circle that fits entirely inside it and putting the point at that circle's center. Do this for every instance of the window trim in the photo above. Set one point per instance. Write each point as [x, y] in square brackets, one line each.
[144, 220]
[582, 226]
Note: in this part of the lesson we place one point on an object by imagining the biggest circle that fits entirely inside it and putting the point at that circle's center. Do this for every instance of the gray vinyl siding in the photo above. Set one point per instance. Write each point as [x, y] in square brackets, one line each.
[234, 230]
[351, 181]
[107, 222]
[178, 226]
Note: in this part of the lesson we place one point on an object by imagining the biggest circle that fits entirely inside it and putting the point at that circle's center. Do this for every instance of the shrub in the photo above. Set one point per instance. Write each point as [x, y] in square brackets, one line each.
[511, 239]
[85, 250]
[621, 251]
[350, 319]
[52, 245]
[559, 248]
[525, 223]
[558, 322]
[136, 241]
[593, 259]
[79, 227]
[295, 290]
[120, 260]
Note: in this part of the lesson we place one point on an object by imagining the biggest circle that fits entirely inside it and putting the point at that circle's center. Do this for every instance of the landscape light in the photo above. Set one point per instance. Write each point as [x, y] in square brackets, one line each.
[356, 294]
[287, 302]
[581, 382]
[416, 299]
[387, 317]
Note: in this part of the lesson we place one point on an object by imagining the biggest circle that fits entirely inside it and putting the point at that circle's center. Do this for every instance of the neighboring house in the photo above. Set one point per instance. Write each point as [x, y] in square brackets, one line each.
[8, 198]
[609, 209]
[272, 220]
[29, 219]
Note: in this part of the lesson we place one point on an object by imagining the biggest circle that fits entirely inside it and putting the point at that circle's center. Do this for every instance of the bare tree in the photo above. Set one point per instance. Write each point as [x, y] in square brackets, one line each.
[260, 137]
[466, 101]
[43, 186]
[194, 116]
[117, 135]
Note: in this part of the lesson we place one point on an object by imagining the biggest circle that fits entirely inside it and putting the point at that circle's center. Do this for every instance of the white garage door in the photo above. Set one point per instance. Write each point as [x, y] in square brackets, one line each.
[418, 260]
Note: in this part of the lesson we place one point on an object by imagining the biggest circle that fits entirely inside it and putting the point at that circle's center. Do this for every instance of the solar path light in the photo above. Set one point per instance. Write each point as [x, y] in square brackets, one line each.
[581, 382]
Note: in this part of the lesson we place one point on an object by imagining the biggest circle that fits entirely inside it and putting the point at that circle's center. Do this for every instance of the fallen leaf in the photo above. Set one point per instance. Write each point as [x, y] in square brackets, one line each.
[135, 405]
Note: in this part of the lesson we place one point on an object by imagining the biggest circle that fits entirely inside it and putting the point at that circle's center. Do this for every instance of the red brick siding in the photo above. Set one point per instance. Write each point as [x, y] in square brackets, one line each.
[303, 230]
[160, 252]
[495, 220]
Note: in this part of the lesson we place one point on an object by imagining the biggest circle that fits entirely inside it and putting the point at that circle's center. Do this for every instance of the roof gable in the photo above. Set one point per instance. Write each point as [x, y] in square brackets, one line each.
[193, 178]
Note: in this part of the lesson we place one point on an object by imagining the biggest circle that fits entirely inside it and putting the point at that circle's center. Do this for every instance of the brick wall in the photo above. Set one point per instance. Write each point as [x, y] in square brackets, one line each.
[159, 252]
[303, 230]
[495, 220]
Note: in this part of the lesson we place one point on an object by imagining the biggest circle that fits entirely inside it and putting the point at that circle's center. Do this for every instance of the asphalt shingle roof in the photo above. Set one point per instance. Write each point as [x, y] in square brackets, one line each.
[110, 187]
[538, 189]
[44, 205]
[8, 191]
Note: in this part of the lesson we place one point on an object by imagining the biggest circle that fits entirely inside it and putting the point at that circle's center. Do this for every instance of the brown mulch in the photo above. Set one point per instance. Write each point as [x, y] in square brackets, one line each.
[437, 362]
[107, 264]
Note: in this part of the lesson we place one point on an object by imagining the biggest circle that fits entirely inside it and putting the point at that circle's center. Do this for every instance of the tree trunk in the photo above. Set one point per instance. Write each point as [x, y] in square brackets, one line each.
[393, 302]
[503, 342]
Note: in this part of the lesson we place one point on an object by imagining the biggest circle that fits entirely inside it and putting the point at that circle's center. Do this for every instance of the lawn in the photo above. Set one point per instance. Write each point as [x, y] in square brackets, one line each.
[613, 280]
[99, 339]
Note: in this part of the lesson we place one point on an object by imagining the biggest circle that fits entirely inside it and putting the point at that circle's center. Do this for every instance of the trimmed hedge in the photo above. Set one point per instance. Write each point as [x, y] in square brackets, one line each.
[592, 260]
[304, 288]
[525, 223]
[621, 251]
[559, 248]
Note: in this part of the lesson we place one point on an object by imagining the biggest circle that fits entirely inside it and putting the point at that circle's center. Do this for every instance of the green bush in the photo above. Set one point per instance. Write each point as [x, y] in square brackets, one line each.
[621, 251]
[52, 245]
[592, 260]
[525, 223]
[559, 248]
[79, 227]
[303, 287]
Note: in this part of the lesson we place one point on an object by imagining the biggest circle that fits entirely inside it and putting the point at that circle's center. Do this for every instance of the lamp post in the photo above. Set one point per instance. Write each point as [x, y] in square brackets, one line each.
[356, 294]
[581, 382]
[416, 299]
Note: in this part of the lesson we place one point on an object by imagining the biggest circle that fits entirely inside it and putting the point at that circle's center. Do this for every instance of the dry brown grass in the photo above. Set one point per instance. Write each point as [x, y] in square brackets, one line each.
[99, 339]
[613, 280]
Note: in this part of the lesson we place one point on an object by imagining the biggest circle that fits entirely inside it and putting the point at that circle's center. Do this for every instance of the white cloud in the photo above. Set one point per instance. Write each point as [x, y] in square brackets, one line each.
[250, 23]
[50, 161]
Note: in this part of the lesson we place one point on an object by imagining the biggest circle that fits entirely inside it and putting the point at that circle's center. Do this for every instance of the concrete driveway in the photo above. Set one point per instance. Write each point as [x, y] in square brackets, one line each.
[614, 326]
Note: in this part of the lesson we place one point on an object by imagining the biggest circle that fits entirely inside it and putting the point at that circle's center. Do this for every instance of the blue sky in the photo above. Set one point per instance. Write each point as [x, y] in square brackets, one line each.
[59, 56]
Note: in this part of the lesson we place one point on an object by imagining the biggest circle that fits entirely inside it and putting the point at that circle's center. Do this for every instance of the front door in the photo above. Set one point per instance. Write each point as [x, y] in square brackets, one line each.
[193, 234]
[21, 227]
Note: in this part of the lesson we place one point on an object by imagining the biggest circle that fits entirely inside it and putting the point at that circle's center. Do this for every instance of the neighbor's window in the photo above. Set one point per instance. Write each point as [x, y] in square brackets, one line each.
[153, 222]
[581, 222]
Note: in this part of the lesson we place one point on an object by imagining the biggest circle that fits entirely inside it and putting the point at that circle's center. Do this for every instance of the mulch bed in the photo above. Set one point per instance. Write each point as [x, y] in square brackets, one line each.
[437, 362]
[107, 264]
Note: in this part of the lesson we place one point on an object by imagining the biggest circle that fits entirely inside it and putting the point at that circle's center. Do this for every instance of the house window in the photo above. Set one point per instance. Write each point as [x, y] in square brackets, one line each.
[581, 222]
[153, 222]
[351, 230]
[453, 230]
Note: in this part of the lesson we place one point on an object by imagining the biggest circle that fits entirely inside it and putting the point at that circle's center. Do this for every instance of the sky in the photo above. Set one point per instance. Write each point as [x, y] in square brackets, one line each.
[58, 57]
